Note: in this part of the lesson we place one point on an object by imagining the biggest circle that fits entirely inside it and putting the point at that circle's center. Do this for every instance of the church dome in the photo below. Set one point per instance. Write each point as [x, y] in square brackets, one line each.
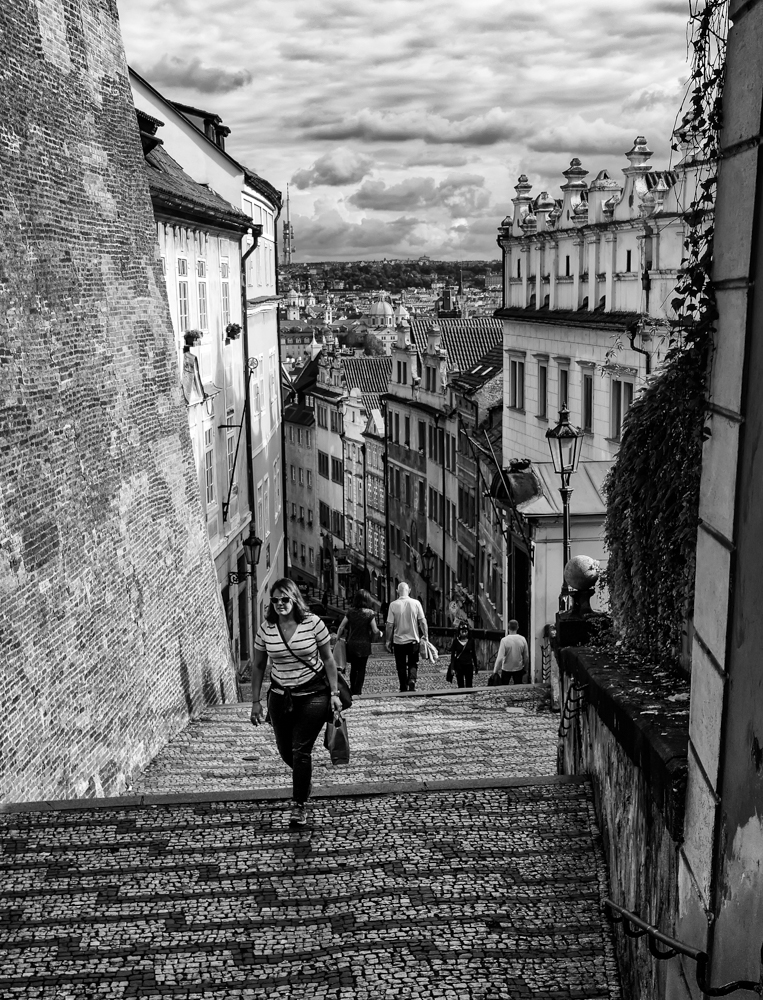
[381, 307]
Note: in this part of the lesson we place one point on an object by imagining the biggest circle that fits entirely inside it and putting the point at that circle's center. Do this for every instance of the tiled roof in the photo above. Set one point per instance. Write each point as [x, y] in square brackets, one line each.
[466, 340]
[572, 317]
[368, 374]
[483, 370]
[172, 189]
[371, 401]
[298, 413]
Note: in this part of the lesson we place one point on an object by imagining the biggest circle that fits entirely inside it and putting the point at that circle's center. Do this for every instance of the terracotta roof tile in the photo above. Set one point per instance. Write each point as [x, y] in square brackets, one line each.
[466, 340]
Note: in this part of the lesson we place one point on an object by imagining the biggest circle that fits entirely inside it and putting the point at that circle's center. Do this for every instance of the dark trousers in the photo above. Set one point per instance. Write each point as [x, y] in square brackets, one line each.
[464, 678]
[296, 732]
[407, 663]
[511, 676]
[357, 672]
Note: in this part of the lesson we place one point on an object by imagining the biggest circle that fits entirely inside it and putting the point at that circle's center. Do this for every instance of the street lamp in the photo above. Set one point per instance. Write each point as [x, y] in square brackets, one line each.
[565, 442]
[427, 566]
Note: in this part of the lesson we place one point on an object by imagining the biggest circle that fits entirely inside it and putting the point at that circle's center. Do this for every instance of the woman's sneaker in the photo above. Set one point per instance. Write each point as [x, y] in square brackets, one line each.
[298, 815]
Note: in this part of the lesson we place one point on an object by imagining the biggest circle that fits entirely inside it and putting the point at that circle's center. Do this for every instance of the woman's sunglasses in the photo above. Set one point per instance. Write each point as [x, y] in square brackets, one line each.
[281, 600]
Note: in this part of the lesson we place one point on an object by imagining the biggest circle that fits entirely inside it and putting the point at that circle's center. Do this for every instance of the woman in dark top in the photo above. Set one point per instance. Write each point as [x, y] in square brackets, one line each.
[463, 656]
[360, 625]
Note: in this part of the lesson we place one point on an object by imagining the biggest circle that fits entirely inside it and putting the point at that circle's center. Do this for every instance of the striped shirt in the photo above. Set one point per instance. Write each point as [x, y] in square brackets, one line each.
[286, 669]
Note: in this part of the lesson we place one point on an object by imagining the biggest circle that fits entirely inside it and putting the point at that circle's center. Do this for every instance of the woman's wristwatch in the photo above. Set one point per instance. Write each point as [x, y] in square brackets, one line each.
[334, 694]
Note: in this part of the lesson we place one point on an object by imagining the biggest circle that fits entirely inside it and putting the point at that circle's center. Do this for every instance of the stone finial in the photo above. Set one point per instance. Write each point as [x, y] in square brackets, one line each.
[521, 203]
[544, 205]
[574, 190]
[529, 223]
[640, 153]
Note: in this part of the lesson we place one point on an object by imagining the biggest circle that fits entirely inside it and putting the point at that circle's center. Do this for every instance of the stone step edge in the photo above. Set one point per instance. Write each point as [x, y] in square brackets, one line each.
[355, 790]
[506, 691]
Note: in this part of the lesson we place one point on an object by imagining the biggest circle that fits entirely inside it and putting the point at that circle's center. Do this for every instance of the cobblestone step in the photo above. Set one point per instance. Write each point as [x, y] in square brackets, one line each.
[503, 732]
[491, 892]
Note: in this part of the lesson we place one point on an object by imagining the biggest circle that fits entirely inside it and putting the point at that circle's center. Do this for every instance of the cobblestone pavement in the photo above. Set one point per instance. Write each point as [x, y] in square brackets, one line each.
[479, 735]
[485, 893]
[447, 861]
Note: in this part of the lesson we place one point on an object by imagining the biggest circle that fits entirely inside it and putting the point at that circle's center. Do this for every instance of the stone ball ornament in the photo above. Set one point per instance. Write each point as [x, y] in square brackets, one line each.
[582, 573]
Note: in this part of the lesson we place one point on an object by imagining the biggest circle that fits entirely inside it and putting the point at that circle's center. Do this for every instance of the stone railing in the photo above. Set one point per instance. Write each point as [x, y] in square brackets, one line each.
[626, 725]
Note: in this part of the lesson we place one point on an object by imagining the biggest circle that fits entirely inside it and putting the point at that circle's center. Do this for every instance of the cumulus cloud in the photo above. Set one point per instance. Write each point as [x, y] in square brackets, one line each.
[460, 194]
[434, 88]
[173, 71]
[340, 166]
[370, 125]
[328, 234]
[578, 137]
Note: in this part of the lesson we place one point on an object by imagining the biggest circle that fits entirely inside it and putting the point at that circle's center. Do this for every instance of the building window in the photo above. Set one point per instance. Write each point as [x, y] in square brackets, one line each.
[587, 402]
[542, 390]
[225, 287]
[302, 553]
[336, 422]
[516, 385]
[302, 515]
[230, 444]
[422, 436]
[337, 470]
[322, 416]
[519, 267]
[323, 464]
[567, 266]
[295, 548]
[407, 436]
[397, 429]
[309, 517]
[277, 482]
[183, 313]
[564, 388]
[628, 260]
[324, 514]
[621, 399]
[301, 476]
[202, 294]
[309, 479]
[337, 524]
[311, 556]
[209, 464]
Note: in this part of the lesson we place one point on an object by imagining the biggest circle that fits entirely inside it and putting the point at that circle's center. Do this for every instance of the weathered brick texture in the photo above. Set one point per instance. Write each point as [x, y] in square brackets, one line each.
[111, 627]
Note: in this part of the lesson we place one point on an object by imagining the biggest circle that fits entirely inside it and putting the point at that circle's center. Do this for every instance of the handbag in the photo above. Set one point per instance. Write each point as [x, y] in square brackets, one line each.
[336, 740]
[494, 680]
[345, 695]
[340, 654]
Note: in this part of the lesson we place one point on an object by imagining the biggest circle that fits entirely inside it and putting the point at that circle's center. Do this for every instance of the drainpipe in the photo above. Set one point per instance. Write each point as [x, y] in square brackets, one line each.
[279, 389]
[248, 419]
[632, 333]
[385, 464]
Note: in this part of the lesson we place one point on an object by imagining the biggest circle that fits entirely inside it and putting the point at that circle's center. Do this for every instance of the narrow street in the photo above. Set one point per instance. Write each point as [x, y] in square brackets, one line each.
[446, 860]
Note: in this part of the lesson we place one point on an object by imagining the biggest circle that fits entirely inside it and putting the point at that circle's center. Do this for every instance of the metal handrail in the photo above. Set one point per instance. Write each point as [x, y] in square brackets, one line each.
[635, 927]
[575, 695]
[545, 661]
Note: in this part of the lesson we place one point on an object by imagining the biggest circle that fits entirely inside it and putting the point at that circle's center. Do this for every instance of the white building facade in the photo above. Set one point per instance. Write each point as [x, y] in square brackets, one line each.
[587, 285]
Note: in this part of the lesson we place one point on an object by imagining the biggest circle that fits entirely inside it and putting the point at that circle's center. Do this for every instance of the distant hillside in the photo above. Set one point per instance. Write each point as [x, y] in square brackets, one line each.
[392, 276]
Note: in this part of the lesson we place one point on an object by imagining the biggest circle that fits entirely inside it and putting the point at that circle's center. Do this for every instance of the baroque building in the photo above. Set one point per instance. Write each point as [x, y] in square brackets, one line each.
[587, 283]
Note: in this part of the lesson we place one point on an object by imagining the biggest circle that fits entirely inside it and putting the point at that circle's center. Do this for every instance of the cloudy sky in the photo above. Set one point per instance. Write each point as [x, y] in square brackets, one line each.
[401, 126]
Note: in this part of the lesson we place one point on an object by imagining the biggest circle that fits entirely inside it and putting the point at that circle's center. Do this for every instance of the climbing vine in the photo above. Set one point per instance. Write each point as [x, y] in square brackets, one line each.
[653, 487]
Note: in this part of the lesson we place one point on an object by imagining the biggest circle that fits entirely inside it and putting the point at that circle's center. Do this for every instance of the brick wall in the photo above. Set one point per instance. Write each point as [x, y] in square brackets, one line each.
[111, 626]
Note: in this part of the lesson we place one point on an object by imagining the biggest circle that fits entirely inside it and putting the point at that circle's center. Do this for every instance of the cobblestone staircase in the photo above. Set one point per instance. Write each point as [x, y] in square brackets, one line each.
[457, 878]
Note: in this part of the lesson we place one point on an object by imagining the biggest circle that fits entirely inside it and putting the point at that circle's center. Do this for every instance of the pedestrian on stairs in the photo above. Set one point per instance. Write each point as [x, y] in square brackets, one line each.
[360, 625]
[513, 656]
[304, 689]
[406, 627]
[463, 656]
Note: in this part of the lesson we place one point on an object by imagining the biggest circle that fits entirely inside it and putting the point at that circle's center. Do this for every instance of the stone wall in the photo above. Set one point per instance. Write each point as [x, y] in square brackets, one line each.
[111, 626]
[631, 738]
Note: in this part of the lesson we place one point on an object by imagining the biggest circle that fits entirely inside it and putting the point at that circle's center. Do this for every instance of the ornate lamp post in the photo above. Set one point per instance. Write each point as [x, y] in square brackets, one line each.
[427, 566]
[564, 442]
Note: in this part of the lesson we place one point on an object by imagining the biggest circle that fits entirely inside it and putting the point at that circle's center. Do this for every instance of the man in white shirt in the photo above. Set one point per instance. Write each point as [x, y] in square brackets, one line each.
[406, 627]
[513, 656]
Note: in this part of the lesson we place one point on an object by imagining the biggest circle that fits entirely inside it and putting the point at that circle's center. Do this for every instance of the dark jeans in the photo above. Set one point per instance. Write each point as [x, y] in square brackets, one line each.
[357, 672]
[296, 732]
[407, 663]
[464, 678]
[511, 676]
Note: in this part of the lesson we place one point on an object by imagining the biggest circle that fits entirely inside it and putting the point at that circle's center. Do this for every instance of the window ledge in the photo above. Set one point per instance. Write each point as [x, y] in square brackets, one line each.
[543, 420]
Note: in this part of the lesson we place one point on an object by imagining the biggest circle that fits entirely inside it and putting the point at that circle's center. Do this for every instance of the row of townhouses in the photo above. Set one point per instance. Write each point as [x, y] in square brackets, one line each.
[432, 465]
[216, 224]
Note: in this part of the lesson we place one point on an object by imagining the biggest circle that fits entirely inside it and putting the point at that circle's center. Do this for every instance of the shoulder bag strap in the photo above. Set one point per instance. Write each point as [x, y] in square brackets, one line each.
[296, 655]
